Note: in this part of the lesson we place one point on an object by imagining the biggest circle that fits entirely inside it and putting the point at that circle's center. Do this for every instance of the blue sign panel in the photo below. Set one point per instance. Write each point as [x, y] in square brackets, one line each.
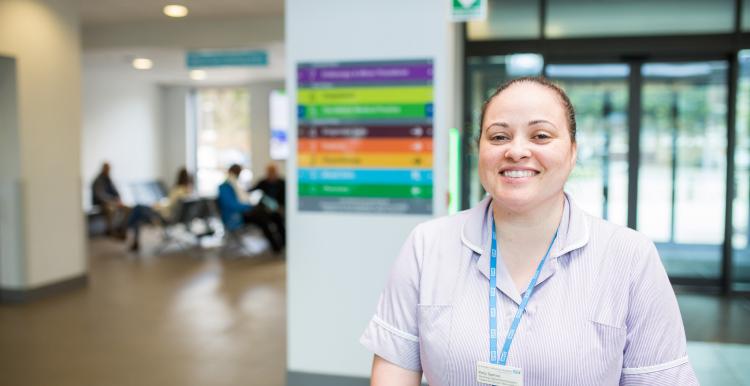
[197, 59]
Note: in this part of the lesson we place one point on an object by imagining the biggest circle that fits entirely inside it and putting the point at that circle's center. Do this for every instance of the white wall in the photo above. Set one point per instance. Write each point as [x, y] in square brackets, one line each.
[174, 148]
[43, 35]
[122, 124]
[337, 264]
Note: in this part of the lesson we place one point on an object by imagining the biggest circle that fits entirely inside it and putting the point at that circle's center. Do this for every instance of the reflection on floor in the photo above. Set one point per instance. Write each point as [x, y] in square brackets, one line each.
[180, 319]
[720, 364]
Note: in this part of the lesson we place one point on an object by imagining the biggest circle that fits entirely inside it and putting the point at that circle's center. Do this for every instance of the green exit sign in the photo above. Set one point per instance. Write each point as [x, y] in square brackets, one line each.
[465, 10]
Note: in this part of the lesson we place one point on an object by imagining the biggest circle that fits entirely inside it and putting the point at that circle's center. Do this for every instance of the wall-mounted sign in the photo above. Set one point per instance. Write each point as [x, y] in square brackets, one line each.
[198, 59]
[279, 124]
[365, 137]
[465, 10]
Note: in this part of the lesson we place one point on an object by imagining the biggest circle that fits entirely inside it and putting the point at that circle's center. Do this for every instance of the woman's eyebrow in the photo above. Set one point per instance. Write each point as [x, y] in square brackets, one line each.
[501, 124]
[538, 121]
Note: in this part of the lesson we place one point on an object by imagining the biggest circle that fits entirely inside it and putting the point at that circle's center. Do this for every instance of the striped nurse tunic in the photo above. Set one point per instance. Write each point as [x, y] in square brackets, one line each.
[602, 312]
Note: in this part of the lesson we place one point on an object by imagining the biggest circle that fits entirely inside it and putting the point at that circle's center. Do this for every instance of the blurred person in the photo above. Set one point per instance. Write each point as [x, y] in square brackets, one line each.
[236, 211]
[182, 189]
[105, 195]
[273, 186]
[164, 210]
[526, 288]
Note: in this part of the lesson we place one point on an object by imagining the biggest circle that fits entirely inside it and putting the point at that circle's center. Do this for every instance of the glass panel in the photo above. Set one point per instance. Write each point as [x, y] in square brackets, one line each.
[223, 136]
[745, 15]
[741, 214]
[485, 75]
[599, 93]
[576, 18]
[507, 19]
[683, 164]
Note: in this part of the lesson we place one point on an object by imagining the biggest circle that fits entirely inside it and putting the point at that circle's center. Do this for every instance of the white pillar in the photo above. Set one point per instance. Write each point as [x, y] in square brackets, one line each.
[338, 262]
[48, 232]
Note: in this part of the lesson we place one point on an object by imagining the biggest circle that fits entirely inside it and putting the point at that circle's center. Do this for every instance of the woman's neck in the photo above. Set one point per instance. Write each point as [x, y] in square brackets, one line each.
[534, 225]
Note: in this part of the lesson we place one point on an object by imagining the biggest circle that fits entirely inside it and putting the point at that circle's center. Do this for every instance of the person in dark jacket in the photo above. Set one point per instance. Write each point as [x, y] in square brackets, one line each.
[237, 211]
[105, 196]
[272, 185]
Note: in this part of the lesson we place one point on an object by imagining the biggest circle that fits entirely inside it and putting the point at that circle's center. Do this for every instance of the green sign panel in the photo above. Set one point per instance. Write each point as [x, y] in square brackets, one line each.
[199, 59]
[464, 10]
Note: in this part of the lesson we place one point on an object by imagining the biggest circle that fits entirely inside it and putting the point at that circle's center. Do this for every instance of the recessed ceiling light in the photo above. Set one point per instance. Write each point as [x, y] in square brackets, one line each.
[175, 10]
[197, 74]
[142, 64]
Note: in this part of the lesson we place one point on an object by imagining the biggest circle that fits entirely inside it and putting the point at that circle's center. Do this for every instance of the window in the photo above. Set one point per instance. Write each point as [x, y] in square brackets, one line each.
[222, 136]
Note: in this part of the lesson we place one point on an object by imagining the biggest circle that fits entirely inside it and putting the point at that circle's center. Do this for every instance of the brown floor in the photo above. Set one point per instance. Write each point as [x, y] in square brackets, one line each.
[172, 320]
[181, 320]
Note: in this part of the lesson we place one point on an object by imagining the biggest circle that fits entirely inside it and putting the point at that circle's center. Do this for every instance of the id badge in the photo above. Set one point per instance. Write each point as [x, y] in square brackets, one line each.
[499, 375]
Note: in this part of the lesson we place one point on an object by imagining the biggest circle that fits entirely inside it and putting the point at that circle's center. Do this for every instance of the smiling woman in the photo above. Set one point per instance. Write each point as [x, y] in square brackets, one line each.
[578, 300]
[527, 147]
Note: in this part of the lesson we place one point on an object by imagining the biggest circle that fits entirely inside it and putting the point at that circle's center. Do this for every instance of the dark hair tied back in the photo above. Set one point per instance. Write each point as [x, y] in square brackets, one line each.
[542, 81]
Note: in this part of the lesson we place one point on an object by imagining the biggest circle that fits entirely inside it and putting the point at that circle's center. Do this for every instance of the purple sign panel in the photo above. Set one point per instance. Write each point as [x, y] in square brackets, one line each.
[407, 72]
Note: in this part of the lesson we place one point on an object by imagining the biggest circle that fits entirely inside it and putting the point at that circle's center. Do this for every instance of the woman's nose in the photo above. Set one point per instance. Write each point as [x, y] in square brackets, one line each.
[518, 150]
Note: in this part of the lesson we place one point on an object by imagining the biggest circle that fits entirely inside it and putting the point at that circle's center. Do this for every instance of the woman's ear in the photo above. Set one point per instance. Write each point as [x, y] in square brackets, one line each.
[574, 155]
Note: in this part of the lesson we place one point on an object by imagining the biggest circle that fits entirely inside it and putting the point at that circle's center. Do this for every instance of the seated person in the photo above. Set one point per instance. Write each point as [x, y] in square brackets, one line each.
[161, 211]
[104, 194]
[236, 211]
[182, 189]
[273, 186]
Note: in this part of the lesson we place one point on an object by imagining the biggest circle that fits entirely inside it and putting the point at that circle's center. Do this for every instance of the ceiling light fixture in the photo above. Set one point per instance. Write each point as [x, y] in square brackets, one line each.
[142, 64]
[175, 10]
[198, 74]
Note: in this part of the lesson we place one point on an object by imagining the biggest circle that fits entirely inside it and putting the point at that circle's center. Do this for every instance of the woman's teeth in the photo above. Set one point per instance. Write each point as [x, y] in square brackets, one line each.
[519, 173]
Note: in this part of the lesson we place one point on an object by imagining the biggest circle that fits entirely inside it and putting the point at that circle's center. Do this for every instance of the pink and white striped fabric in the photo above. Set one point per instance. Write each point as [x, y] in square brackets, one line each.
[603, 311]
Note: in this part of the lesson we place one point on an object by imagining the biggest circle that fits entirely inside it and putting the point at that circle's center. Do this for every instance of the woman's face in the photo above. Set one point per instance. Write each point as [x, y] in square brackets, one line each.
[525, 150]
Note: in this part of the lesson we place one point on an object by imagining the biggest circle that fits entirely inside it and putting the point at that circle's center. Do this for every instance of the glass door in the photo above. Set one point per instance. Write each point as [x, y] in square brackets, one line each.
[682, 169]
[599, 92]
[741, 204]
[671, 184]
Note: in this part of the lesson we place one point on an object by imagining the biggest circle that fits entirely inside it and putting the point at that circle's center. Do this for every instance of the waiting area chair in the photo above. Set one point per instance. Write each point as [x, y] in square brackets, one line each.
[185, 215]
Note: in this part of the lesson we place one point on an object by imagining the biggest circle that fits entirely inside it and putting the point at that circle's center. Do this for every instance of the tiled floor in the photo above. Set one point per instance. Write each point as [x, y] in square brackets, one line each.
[181, 320]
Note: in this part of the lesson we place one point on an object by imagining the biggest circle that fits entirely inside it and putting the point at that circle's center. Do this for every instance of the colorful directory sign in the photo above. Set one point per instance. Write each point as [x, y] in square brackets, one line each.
[365, 137]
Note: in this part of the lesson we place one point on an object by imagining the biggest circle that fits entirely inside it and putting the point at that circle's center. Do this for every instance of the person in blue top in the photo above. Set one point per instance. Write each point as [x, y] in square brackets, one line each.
[237, 211]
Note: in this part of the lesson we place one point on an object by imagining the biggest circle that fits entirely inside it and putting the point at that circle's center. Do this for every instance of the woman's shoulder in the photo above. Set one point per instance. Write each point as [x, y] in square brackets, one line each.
[602, 228]
[455, 220]
[619, 245]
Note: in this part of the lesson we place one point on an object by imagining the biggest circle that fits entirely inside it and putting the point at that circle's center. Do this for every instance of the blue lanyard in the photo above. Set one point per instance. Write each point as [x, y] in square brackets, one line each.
[493, 301]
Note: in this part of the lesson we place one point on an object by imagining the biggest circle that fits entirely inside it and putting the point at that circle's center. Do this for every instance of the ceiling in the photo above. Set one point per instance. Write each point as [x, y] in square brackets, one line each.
[118, 11]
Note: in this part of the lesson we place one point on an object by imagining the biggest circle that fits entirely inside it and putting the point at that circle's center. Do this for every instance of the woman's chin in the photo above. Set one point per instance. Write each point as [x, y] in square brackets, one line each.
[513, 202]
[521, 201]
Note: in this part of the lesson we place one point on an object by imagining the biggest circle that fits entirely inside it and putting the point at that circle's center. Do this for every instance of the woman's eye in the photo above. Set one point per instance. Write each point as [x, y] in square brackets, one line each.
[542, 136]
[498, 137]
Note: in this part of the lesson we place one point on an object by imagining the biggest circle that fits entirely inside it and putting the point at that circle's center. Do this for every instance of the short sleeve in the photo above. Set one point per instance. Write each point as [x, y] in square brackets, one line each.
[655, 349]
[393, 332]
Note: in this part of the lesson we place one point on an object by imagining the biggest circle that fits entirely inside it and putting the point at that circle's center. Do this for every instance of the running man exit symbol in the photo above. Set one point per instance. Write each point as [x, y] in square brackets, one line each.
[465, 10]
[467, 3]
